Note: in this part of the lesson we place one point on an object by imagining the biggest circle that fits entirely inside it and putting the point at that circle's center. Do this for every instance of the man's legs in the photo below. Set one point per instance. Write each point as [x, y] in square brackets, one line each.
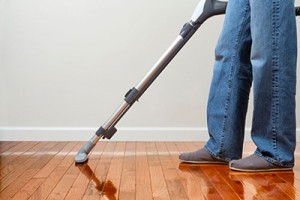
[230, 87]
[273, 58]
[231, 83]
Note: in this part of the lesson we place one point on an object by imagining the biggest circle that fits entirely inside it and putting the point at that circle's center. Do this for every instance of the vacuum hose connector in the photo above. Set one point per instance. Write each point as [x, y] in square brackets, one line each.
[208, 8]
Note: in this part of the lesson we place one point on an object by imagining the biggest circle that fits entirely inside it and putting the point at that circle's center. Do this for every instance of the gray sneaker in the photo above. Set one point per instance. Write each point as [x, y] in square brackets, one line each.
[255, 163]
[200, 156]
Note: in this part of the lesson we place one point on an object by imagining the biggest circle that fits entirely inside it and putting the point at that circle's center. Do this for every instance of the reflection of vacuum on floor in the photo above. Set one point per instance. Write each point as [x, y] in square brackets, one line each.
[204, 10]
[105, 189]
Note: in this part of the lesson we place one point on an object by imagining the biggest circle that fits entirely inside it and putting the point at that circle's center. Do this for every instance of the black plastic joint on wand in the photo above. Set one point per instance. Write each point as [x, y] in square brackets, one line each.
[106, 133]
[132, 95]
[186, 29]
[297, 11]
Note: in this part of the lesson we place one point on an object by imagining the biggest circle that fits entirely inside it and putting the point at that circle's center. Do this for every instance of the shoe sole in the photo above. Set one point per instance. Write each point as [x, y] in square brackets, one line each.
[260, 170]
[204, 162]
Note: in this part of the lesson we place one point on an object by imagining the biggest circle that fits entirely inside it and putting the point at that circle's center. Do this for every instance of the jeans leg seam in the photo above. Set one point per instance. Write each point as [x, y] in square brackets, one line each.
[275, 76]
[230, 79]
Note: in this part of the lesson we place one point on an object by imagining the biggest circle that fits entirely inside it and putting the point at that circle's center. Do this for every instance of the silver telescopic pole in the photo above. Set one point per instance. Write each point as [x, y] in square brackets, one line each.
[204, 10]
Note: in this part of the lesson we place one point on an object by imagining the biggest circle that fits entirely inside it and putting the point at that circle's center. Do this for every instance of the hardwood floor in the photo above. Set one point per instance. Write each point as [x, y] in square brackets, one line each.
[131, 170]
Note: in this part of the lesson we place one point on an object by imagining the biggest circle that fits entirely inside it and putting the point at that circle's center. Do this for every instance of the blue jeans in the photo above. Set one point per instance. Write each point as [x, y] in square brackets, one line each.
[257, 46]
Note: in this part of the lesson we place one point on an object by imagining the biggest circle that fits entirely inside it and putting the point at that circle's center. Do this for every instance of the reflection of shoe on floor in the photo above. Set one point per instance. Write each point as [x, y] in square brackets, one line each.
[255, 163]
[200, 156]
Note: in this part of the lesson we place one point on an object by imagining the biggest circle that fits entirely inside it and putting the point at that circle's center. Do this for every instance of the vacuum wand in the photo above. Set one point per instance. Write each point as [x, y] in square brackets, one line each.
[204, 10]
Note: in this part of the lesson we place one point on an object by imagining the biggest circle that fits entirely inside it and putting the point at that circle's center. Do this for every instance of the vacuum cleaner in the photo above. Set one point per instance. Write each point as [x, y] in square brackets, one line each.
[204, 10]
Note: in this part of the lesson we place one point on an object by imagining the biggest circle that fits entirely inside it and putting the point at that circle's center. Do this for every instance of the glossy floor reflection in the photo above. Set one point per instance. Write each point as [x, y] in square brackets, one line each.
[131, 171]
[268, 185]
[106, 189]
[216, 181]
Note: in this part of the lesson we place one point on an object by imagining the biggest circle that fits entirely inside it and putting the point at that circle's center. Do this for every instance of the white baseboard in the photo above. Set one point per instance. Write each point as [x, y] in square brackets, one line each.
[123, 134]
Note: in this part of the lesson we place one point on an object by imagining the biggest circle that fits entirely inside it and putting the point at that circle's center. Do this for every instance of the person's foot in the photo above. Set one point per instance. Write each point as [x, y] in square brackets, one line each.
[200, 156]
[255, 163]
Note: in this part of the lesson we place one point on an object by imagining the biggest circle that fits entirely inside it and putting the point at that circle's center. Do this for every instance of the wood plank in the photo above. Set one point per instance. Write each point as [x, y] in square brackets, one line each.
[86, 177]
[63, 186]
[175, 188]
[51, 181]
[127, 186]
[207, 188]
[95, 187]
[285, 187]
[55, 161]
[297, 166]
[18, 170]
[260, 186]
[225, 191]
[8, 146]
[14, 149]
[41, 159]
[158, 182]
[112, 183]
[14, 159]
[28, 189]
[215, 177]
[224, 170]
[86, 173]
[143, 184]
[236, 185]
[289, 178]
[191, 185]
[3, 143]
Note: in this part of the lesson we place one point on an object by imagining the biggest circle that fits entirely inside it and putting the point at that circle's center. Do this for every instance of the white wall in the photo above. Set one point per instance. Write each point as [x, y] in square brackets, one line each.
[65, 66]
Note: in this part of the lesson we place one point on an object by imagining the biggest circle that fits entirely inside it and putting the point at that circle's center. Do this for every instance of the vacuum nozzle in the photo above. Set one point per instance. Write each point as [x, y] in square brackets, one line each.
[82, 155]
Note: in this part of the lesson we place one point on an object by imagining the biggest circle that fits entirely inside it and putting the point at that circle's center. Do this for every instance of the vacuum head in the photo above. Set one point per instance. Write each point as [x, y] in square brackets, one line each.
[82, 155]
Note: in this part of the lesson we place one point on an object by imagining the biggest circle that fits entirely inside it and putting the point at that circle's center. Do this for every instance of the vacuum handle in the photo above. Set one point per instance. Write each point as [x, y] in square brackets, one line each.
[208, 8]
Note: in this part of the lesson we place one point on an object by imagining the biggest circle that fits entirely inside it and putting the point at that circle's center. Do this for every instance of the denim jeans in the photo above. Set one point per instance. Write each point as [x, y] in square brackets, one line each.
[257, 47]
